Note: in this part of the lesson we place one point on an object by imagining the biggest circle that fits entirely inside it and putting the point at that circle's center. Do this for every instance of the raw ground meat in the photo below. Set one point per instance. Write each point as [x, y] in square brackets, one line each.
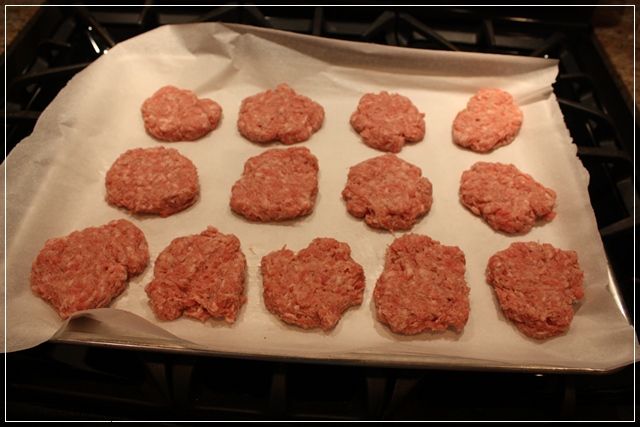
[388, 192]
[509, 200]
[200, 276]
[89, 268]
[312, 289]
[536, 285]
[152, 181]
[387, 121]
[492, 119]
[277, 185]
[279, 114]
[422, 287]
[173, 114]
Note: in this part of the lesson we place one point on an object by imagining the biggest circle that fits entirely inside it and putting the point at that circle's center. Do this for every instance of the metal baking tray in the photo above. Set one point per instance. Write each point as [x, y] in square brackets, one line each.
[55, 185]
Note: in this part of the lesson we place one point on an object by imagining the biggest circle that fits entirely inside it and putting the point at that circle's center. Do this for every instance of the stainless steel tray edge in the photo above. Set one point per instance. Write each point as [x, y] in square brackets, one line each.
[356, 359]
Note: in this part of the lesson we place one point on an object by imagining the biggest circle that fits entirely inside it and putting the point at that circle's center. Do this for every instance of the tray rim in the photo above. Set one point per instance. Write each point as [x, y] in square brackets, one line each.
[377, 361]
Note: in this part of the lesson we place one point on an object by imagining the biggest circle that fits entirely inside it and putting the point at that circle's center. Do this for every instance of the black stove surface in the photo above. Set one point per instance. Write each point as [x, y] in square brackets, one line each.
[62, 381]
[59, 381]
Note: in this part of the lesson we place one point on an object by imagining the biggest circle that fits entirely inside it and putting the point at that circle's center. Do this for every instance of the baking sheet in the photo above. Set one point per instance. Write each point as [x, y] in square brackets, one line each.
[55, 184]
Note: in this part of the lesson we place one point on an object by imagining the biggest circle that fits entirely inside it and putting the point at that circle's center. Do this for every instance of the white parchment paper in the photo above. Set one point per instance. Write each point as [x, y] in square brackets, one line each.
[55, 185]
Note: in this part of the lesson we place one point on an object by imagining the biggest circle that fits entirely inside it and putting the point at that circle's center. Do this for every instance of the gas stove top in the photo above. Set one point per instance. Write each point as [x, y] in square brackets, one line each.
[62, 381]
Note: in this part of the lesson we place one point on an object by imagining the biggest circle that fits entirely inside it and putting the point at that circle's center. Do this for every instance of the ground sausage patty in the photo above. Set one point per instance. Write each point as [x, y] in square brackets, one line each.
[89, 268]
[422, 287]
[536, 285]
[509, 200]
[492, 119]
[387, 192]
[387, 121]
[313, 288]
[279, 114]
[173, 114]
[200, 276]
[277, 185]
[152, 181]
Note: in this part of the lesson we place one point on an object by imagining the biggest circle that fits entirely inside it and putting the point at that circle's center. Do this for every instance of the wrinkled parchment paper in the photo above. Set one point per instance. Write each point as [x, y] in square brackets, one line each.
[55, 185]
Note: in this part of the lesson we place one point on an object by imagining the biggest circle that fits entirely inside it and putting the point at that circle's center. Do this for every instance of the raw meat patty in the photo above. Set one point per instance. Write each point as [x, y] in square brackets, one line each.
[422, 287]
[509, 200]
[173, 114]
[313, 288]
[279, 114]
[277, 185]
[200, 276]
[152, 181]
[89, 268]
[387, 121]
[492, 119]
[536, 285]
[388, 192]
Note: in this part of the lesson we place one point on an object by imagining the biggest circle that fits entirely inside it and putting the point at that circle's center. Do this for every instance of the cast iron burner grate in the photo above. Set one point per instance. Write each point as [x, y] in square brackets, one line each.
[77, 382]
[65, 381]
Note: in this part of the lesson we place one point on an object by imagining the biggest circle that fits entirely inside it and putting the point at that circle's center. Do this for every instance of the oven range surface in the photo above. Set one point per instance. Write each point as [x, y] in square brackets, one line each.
[145, 385]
